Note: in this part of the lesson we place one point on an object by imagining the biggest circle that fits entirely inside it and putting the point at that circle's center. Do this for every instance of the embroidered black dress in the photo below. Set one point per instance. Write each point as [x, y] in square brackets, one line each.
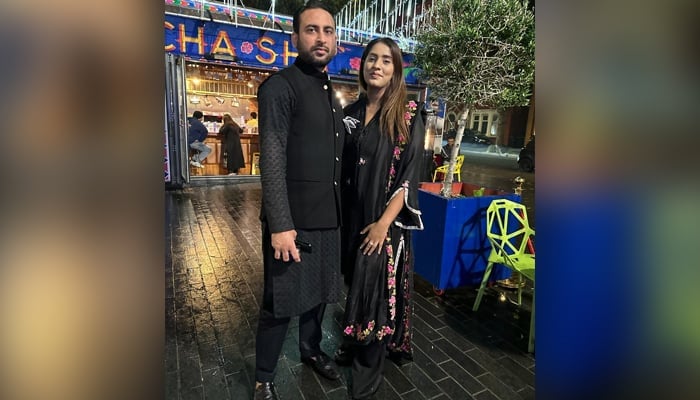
[379, 306]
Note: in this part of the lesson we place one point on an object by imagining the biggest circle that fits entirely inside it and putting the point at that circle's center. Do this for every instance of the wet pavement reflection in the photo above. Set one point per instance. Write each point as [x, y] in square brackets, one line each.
[214, 285]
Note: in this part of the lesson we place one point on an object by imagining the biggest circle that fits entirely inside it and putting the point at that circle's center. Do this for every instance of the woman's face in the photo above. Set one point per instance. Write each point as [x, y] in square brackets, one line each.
[378, 68]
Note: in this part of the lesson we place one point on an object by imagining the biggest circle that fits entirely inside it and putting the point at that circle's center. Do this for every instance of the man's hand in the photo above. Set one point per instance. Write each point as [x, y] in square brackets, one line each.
[283, 243]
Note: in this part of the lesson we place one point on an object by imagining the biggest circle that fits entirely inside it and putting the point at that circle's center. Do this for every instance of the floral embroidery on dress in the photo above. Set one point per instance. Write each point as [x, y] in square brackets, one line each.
[391, 280]
[400, 143]
[361, 333]
[407, 339]
[410, 112]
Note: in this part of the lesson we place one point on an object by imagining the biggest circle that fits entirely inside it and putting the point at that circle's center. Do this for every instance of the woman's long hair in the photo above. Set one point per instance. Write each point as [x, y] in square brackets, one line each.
[392, 104]
[228, 120]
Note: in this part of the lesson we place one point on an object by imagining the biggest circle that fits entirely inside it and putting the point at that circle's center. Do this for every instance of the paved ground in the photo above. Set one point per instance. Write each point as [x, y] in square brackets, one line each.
[214, 283]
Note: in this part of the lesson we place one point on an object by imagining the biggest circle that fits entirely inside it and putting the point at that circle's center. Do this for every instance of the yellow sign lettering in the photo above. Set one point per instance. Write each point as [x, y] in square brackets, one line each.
[199, 40]
[169, 26]
[288, 53]
[222, 37]
[271, 53]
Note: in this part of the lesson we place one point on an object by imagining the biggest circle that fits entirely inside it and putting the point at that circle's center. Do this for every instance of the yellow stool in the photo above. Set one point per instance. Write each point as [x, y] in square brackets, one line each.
[255, 164]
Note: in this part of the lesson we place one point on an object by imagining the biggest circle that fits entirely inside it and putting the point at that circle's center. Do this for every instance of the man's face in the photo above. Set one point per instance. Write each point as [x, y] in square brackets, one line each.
[450, 142]
[316, 40]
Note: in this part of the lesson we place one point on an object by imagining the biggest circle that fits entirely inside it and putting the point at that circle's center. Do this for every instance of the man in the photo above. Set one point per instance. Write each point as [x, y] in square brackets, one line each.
[195, 138]
[446, 152]
[301, 139]
[253, 121]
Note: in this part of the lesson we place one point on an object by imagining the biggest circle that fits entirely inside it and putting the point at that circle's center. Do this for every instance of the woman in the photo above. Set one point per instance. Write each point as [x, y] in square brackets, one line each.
[230, 134]
[380, 176]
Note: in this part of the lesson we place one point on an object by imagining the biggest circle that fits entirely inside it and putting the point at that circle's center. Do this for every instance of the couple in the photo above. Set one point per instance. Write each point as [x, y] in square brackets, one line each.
[309, 161]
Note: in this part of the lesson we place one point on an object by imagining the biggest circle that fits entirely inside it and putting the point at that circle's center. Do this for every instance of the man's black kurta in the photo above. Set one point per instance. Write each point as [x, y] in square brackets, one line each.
[301, 145]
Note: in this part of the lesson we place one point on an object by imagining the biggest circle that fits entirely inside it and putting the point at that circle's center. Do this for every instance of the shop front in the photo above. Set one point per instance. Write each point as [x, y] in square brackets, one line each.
[216, 68]
[216, 90]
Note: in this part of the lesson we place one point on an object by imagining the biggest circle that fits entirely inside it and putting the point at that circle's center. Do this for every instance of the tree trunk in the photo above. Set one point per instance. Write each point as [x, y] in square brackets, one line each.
[447, 182]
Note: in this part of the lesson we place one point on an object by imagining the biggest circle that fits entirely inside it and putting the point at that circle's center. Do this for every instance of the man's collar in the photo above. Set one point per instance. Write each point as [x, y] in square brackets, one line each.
[309, 69]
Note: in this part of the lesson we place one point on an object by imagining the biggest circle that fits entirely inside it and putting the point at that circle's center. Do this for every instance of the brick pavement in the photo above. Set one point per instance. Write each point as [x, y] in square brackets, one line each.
[213, 285]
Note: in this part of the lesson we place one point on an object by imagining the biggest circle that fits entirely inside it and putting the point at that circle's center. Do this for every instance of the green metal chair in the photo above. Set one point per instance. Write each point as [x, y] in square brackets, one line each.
[510, 235]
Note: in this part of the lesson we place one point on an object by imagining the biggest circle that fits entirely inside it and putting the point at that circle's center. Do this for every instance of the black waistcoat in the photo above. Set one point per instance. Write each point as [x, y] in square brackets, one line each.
[314, 149]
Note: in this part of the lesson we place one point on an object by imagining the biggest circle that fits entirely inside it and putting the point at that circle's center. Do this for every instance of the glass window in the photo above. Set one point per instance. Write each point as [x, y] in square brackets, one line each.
[482, 121]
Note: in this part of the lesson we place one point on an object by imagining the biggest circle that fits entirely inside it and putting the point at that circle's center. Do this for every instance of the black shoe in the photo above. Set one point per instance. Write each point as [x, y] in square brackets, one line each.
[343, 356]
[266, 391]
[323, 365]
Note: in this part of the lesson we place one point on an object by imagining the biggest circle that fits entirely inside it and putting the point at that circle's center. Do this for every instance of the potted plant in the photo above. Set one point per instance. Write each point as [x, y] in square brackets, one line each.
[480, 53]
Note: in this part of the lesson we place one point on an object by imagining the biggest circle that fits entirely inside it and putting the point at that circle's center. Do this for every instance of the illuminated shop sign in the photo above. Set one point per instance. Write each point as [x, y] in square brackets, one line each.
[244, 46]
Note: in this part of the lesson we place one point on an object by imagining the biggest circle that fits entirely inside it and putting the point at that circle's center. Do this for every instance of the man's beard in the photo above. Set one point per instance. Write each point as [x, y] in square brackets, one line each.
[308, 57]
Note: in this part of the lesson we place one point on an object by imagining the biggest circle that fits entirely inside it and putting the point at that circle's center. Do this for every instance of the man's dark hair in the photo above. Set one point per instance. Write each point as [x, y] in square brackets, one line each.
[309, 6]
[254, 114]
[197, 114]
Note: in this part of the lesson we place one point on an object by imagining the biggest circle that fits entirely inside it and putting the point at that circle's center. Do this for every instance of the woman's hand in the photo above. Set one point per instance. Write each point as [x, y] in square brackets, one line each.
[376, 234]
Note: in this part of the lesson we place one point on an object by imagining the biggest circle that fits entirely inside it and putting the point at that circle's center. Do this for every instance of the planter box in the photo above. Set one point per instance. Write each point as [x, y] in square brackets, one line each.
[453, 250]
[436, 187]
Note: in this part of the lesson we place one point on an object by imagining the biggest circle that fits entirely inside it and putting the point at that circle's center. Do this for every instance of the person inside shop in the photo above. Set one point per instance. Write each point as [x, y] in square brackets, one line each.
[300, 212]
[196, 134]
[380, 175]
[252, 123]
[446, 152]
[231, 149]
